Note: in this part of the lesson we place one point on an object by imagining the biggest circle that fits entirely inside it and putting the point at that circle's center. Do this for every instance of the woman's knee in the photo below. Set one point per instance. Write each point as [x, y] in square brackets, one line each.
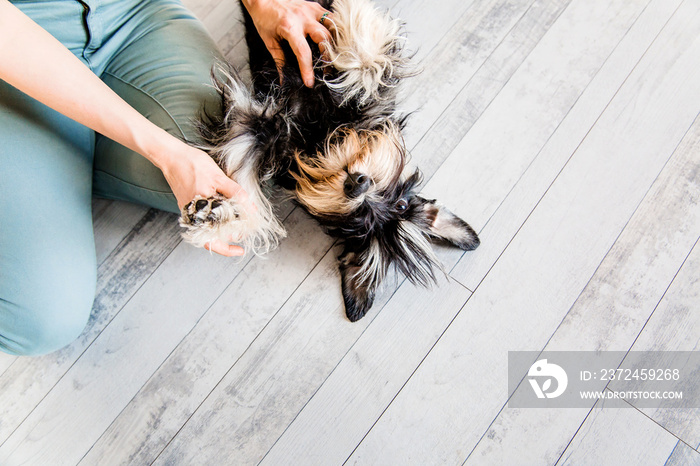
[42, 330]
[46, 293]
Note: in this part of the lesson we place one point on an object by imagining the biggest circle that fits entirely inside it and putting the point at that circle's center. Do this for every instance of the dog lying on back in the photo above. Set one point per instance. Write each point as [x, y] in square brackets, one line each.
[337, 147]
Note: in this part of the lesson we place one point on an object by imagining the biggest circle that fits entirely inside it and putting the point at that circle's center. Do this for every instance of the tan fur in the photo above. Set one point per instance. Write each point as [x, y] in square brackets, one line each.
[376, 154]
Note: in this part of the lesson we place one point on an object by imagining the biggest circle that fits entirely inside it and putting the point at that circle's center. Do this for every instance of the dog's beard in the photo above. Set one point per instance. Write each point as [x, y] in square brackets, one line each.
[322, 180]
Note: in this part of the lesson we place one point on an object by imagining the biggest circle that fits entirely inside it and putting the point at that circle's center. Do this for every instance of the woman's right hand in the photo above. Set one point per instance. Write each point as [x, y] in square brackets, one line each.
[190, 172]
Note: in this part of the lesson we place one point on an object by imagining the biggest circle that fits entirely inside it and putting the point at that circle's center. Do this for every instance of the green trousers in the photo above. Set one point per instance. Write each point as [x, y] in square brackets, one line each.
[158, 58]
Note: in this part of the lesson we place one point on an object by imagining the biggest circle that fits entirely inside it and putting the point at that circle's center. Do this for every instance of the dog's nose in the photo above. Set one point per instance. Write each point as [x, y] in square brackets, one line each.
[356, 184]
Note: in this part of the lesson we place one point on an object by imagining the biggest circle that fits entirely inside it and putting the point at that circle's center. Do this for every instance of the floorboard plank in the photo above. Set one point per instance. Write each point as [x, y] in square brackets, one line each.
[270, 383]
[467, 69]
[515, 209]
[207, 353]
[428, 21]
[499, 147]
[224, 23]
[6, 360]
[675, 326]
[369, 376]
[617, 435]
[112, 223]
[614, 306]
[454, 395]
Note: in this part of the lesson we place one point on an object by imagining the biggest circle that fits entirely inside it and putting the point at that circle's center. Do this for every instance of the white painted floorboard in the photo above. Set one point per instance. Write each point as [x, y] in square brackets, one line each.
[566, 131]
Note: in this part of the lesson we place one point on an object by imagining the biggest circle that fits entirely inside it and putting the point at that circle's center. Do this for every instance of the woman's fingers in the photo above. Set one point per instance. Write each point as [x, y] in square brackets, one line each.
[303, 53]
[232, 190]
[228, 250]
[293, 22]
[277, 55]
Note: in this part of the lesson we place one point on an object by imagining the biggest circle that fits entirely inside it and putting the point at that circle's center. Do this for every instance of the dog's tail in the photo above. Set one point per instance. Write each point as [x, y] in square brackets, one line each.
[367, 51]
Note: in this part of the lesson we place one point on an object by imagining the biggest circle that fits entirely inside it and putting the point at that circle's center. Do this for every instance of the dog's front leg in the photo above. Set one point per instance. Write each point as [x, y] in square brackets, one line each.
[252, 224]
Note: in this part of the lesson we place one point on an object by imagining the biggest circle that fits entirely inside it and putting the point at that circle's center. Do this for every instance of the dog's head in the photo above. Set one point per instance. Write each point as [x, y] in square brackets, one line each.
[360, 189]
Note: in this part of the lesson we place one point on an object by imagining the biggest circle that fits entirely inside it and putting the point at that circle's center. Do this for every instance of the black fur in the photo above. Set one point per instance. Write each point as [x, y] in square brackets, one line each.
[388, 228]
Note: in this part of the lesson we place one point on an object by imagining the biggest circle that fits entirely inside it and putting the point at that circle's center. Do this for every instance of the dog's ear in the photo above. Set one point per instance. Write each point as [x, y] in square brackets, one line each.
[440, 223]
[361, 271]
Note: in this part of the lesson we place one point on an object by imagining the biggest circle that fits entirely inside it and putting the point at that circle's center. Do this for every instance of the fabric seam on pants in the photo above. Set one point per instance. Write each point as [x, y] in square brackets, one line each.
[177, 125]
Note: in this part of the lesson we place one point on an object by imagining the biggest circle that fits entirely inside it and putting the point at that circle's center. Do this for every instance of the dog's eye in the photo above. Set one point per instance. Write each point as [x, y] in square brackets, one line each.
[401, 205]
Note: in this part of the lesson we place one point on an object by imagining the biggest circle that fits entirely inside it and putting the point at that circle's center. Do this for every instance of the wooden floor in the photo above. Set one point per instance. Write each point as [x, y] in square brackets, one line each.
[565, 131]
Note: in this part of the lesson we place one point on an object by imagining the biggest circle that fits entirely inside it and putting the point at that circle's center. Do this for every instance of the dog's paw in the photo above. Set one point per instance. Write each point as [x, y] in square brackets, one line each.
[209, 218]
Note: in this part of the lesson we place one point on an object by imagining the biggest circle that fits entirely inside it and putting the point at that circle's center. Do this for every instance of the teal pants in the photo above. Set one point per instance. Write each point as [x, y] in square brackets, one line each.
[158, 58]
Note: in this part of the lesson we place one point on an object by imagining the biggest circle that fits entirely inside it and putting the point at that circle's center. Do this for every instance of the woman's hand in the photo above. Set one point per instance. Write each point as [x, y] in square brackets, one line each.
[190, 173]
[293, 21]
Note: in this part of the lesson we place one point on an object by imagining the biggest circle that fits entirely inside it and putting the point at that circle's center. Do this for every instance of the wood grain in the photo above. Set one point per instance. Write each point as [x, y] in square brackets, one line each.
[614, 307]
[502, 226]
[638, 440]
[369, 376]
[683, 455]
[112, 222]
[675, 326]
[502, 144]
[549, 262]
[211, 349]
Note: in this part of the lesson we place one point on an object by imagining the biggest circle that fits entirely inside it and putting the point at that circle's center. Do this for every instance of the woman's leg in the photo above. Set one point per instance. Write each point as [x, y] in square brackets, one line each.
[47, 252]
[158, 58]
[164, 72]
[47, 255]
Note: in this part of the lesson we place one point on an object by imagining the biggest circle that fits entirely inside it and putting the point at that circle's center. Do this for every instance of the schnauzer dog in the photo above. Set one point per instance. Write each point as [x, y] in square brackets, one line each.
[337, 147]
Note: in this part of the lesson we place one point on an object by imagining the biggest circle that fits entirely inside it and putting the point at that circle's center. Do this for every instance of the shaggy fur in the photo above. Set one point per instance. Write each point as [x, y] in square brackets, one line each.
[337, 147]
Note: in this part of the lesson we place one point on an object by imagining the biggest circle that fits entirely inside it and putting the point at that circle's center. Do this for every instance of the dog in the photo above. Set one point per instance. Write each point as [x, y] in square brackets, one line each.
[336, 147]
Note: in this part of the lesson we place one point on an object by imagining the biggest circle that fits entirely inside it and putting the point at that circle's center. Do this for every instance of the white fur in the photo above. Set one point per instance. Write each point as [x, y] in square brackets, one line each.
[411, 231]
[363, 39]
[252, 225]
[371, 273]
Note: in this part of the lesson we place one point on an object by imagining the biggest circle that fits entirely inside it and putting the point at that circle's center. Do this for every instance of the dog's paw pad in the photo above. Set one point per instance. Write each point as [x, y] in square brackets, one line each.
[207, 219]
[208, 211]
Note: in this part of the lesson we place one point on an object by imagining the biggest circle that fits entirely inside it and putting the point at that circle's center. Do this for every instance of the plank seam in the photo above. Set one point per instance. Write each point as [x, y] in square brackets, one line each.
[623, 359]
[340, 360]
[588, 283]
[476, 72]
[398, 392]
[82, 353]
[175, 349]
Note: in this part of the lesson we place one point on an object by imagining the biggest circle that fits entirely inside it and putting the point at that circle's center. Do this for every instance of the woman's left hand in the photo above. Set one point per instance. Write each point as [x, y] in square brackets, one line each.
[293, 21]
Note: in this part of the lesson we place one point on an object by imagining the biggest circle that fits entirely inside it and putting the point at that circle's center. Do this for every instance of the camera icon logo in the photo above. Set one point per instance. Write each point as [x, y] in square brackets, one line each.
[547, 371]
